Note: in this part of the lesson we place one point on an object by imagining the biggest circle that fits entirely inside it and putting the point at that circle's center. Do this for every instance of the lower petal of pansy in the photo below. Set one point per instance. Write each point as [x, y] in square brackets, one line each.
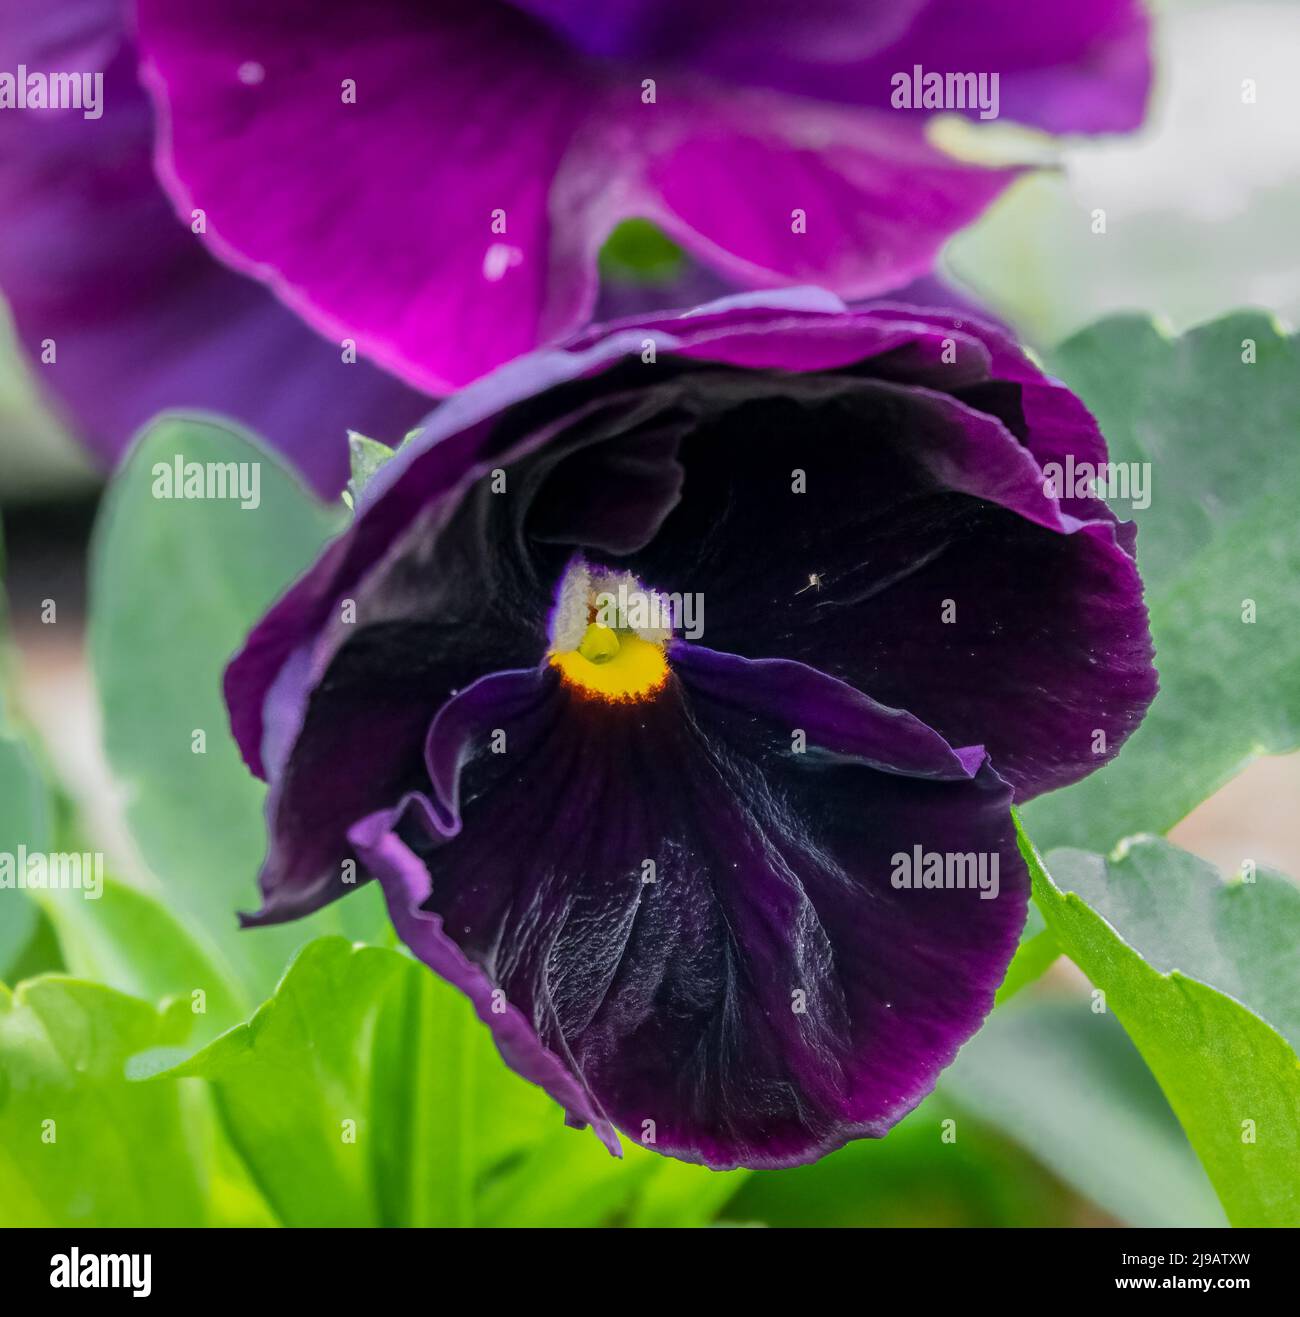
[700, 917]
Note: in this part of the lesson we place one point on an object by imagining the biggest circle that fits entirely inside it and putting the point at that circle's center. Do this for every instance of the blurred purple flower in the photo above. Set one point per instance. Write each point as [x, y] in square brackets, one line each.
[662, 863]
[436, 179]
[142, 318]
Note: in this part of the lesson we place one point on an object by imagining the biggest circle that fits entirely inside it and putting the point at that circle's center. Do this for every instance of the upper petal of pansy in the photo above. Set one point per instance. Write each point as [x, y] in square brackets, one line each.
[143, 319]
[397, 175]
[504, 417]
[710, 940]
[904, 541]
[1078, 68]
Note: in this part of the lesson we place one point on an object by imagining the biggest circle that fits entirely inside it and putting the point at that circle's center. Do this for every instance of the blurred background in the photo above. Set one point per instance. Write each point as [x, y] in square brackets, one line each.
[1202, 217]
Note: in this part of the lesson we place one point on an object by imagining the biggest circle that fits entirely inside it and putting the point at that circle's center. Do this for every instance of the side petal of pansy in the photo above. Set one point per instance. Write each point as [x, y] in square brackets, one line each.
[470, 576]
[96, 265]
[723, 935]
[437, 181]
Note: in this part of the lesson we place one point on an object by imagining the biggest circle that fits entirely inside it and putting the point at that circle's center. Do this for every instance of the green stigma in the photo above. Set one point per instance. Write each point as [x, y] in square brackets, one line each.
[599, 644]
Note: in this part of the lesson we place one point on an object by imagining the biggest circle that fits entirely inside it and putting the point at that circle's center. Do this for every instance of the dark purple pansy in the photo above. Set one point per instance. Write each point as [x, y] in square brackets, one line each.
[142, 318]
[661, 860]
[437, 178]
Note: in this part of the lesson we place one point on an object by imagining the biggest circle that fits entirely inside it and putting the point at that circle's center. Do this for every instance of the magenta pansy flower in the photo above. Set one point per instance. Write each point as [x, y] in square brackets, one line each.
[676, 685]
[436, 179]
[138, 317]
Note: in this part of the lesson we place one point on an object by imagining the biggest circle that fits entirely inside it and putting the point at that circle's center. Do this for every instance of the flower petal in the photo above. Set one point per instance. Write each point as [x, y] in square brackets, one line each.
[769, 994]
[143, 320]
[920, 560]
[769, 190]
[415, 217]
[472, 576]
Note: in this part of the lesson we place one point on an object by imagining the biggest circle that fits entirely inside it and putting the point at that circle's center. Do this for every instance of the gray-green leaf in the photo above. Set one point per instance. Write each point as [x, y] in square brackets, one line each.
[176, 583]
[1216, 414]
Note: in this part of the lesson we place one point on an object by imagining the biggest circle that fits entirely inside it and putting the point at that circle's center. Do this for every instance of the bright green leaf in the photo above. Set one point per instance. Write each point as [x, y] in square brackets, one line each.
[366, 1092]
[678, 1194]
[80, 1144]
[639, 252]
[129, 941]
[1034, 957]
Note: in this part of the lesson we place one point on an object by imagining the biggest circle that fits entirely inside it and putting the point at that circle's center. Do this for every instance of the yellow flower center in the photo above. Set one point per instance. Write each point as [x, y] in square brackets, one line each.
[613, 665]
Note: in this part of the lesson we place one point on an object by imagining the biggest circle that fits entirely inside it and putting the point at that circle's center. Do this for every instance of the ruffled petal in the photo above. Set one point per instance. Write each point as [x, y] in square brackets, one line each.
[707, 931]
[947, 426]
[468, 582]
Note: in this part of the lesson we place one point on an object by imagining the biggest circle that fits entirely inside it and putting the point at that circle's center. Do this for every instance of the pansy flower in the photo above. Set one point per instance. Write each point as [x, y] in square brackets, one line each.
[437, 178]
[676, 686]
[116, 300]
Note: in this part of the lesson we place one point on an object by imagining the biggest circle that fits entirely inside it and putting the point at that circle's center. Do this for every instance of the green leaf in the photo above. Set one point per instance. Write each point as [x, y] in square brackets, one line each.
[130, 942]
[80, 1144]
[366, 1092]
[560, 1182]
[1203, 975]
[366, 456]
[639, 252]
[1221, 529]
[678, 1194]
[176, 583]
[1067, 1085]
[289, 1081]
[24, 825]
[922, 1173]
[1034, 956]
[27, 944]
